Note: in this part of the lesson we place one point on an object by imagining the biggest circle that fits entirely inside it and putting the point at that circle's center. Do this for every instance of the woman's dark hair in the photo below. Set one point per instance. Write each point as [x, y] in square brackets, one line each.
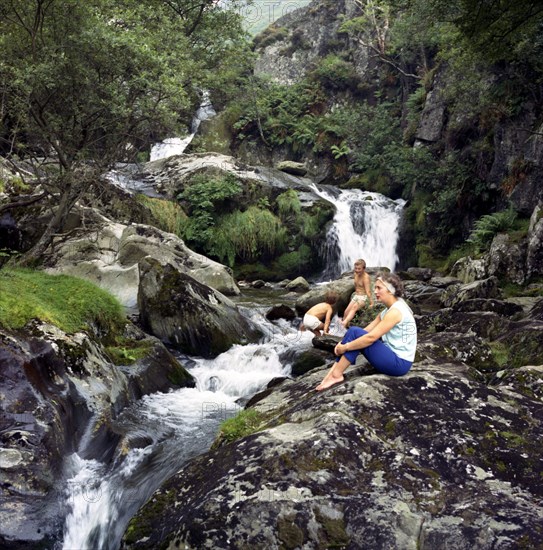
[394, 280]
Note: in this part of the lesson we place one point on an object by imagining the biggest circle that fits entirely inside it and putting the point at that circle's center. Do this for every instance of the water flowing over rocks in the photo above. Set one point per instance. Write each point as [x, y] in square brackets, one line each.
[57, 391]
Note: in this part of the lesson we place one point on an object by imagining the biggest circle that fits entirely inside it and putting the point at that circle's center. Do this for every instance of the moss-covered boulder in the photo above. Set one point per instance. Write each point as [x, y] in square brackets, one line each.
[187, 314]
[432, 458]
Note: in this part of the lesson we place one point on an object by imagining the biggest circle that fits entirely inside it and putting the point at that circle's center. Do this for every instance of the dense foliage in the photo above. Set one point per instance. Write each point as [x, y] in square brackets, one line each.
[490, 56]
[85, 84]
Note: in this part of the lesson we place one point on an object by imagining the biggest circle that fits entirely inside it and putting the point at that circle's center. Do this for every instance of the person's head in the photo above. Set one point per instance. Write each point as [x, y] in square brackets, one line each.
[391, 283]
[331, 298]
[359, 266]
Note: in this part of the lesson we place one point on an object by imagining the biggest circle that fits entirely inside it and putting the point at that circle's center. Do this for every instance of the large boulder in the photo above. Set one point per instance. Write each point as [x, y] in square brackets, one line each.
[485, 288]
[187, 314]
[343, 287]
[507, 258]
[432, 459]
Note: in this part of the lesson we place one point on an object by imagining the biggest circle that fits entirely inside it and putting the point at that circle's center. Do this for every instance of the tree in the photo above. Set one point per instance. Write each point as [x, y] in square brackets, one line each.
[85, 84]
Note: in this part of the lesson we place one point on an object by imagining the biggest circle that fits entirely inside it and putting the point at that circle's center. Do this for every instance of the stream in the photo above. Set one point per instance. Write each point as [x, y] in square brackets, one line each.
[169, 429]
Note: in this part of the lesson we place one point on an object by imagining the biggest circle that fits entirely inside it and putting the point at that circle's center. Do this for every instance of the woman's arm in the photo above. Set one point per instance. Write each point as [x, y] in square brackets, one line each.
[378, 328]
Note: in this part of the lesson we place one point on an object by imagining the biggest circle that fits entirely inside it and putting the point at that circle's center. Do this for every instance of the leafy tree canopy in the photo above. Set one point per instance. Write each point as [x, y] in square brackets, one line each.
[90, 83]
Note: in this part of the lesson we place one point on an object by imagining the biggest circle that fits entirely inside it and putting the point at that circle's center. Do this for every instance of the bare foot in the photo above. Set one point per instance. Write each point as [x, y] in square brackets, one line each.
[329, 381]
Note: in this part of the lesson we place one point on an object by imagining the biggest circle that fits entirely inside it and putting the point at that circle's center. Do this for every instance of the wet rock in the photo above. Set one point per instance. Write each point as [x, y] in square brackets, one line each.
[55, 388]
[292, 167]
[298, 285]
[188, 315]
[281, 312]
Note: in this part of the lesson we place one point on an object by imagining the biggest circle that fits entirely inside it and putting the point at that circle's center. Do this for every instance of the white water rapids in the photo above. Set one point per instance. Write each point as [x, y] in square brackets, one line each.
[177, 427]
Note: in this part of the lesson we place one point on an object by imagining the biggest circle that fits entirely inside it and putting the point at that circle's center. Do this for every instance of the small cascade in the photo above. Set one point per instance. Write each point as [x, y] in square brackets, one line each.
[171, 428]
[175, 145]
[365, 226]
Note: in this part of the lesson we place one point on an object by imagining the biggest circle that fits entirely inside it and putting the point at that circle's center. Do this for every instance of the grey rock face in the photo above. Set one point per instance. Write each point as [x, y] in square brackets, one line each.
[187, 314]
[486, 288]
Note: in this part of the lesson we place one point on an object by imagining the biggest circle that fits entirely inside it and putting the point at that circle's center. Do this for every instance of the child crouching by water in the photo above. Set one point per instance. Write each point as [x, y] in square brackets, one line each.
[319, 316]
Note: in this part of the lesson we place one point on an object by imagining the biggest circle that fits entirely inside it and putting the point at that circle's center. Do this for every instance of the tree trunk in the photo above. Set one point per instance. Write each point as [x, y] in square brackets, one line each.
[69, 197]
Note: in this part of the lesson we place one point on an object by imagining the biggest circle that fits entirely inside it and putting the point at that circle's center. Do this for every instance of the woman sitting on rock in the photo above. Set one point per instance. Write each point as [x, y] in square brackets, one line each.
[389, 342]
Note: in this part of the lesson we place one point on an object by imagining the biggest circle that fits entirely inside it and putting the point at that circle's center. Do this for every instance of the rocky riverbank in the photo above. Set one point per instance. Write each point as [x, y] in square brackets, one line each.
[447, 456]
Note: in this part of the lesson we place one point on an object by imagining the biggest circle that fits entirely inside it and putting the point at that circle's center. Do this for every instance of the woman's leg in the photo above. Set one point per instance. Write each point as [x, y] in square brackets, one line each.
[335, 374]
[384, 360]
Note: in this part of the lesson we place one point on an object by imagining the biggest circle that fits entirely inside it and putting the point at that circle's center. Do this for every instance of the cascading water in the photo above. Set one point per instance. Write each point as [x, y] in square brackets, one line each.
[365, 226]
[170, 429]
[174, 427]
[175, 145]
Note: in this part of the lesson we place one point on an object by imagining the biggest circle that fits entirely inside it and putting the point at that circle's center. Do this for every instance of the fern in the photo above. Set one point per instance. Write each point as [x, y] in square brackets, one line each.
[487, 227]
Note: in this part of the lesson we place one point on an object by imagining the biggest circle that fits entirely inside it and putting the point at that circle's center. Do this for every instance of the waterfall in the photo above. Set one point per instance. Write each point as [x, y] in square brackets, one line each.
[174, 427]
[365, 226]
[175, 145]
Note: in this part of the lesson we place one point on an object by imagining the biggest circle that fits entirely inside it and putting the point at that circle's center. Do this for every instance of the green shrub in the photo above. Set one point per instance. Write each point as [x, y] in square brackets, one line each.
[288, 204]
[487, 227]
[207, 198]
[70, 303]
[336, 73]
[293, 263]
[168, 215]
[247, 236]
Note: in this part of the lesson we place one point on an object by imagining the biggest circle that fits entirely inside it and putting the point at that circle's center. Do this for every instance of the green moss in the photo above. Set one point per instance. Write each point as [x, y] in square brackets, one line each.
[179, 376]
[244, 423]
[513, 439]
[500, 353]
[144, 524]
[126, 351]
[333, 533]
[70, 303]
[290, 535]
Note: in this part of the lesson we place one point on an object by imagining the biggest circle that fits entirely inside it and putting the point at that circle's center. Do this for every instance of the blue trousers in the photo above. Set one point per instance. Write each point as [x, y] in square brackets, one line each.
[380, 356]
